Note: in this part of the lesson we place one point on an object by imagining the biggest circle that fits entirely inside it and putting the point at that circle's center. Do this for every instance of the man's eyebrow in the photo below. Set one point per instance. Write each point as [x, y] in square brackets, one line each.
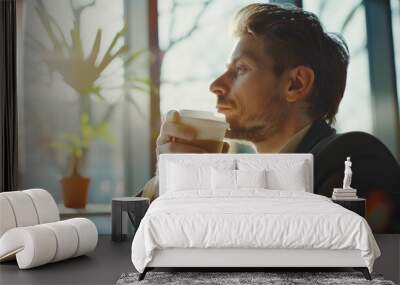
[246, 57]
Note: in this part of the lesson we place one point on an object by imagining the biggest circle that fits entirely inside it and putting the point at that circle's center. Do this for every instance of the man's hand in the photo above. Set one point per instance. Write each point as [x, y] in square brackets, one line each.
[171, 131]
[173, 134]
[170, 141]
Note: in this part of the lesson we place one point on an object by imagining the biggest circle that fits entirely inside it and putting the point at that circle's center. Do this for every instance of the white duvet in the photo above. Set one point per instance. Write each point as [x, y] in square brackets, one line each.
[250, 219]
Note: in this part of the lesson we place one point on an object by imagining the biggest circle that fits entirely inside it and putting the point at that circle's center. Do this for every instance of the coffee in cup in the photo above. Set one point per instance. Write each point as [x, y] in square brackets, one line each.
[210, 129]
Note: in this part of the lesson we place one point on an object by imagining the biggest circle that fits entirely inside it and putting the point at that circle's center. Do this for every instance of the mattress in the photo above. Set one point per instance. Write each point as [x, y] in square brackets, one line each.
[250, 219]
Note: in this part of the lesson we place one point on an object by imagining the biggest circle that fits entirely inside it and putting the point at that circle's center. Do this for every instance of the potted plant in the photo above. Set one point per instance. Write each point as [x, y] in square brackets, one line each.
[82, 72]
[75, 186]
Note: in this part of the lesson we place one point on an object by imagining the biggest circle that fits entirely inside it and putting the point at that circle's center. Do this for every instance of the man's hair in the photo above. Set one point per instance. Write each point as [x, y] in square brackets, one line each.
[295, 37]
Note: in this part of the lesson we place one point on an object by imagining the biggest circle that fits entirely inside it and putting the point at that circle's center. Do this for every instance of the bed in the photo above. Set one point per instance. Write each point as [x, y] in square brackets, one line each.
[246, 211]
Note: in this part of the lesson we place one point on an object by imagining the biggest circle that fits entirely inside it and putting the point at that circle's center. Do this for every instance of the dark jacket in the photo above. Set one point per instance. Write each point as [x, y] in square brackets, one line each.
[376, 173]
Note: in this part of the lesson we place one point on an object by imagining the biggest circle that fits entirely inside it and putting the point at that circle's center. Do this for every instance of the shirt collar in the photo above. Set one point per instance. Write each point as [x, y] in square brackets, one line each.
[295, 140]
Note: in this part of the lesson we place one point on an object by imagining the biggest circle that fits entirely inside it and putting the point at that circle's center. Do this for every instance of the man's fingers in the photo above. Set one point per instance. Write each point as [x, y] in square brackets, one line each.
[178, 130]
[225, 147]
[172, 116]
[162, 138]
[171, 127]
[178, 148]
[169, 130]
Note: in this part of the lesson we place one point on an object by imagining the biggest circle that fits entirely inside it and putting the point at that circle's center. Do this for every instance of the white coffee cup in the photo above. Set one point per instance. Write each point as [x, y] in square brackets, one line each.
[210, 129]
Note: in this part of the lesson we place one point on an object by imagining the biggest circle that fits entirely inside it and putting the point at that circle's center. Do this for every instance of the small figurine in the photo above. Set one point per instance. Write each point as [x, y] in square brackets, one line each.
[347, 174]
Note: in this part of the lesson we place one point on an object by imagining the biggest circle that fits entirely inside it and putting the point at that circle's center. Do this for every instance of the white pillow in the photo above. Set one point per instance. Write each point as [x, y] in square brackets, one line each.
[181, 177]
[223, 179]
[290, 179]
[236, 179]
[281, 174]
[251, 178]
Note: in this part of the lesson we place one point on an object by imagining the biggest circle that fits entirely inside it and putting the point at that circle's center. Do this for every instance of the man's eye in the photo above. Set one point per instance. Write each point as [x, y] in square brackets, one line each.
[240, 69]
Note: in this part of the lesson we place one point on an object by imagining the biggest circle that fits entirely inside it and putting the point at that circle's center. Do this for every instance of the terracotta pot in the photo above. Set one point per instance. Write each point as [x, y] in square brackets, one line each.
[75, 190]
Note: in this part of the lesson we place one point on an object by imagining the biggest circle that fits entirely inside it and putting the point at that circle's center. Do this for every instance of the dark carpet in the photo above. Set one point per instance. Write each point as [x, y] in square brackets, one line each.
[230, 278]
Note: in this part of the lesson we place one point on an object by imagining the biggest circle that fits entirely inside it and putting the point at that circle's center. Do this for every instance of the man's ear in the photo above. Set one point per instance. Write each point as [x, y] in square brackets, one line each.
[300, 83]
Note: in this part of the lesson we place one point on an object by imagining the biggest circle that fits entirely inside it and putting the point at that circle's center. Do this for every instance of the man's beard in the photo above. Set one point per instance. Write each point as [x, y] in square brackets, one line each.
[254, 134]
[257, 133]
[259, 127]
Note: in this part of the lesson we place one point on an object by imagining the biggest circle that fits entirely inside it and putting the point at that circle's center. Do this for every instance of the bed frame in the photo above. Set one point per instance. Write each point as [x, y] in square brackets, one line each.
[241, 259]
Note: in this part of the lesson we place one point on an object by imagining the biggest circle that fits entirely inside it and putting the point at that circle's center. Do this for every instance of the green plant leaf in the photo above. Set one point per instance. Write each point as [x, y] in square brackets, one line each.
[106, 136]
[98, 95]
[107, 56]
[142, 84]
[76, 48]
[61, 146]
[44, 18]
[95, 49]
[60, 32]
[87, 135]
[73, 139]
[145, 90]
[77, 152]
[84, 119]
[144, 81]
[94, 89]
[102, 131]
[135, 55]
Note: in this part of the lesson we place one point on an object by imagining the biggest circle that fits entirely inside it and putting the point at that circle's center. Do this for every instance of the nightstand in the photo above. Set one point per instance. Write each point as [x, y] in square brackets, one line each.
[135, 207]
[356, 205]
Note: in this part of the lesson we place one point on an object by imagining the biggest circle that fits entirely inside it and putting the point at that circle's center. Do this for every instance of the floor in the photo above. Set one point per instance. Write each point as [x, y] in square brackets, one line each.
[102, 266]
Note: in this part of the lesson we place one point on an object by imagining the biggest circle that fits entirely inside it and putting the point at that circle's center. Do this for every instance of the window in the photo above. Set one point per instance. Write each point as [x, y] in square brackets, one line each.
[355, 111]
[395, 7]
[196, 43]
[73, 103]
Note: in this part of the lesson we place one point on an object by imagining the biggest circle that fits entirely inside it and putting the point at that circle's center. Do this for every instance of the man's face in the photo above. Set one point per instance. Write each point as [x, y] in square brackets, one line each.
[249, 93]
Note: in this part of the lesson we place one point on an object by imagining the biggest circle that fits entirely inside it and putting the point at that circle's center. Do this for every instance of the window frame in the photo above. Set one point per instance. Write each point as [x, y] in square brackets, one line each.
[386, 121]
[8, 97]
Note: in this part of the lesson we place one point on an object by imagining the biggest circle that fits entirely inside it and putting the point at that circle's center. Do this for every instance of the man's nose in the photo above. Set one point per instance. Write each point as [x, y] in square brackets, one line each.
[218, 87]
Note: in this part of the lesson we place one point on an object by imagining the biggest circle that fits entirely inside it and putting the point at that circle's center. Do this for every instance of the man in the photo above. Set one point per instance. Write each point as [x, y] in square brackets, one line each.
[281, 91]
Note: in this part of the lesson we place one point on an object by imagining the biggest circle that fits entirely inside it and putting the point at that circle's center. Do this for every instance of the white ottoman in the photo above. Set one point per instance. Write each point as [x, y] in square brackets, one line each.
[31, 232]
